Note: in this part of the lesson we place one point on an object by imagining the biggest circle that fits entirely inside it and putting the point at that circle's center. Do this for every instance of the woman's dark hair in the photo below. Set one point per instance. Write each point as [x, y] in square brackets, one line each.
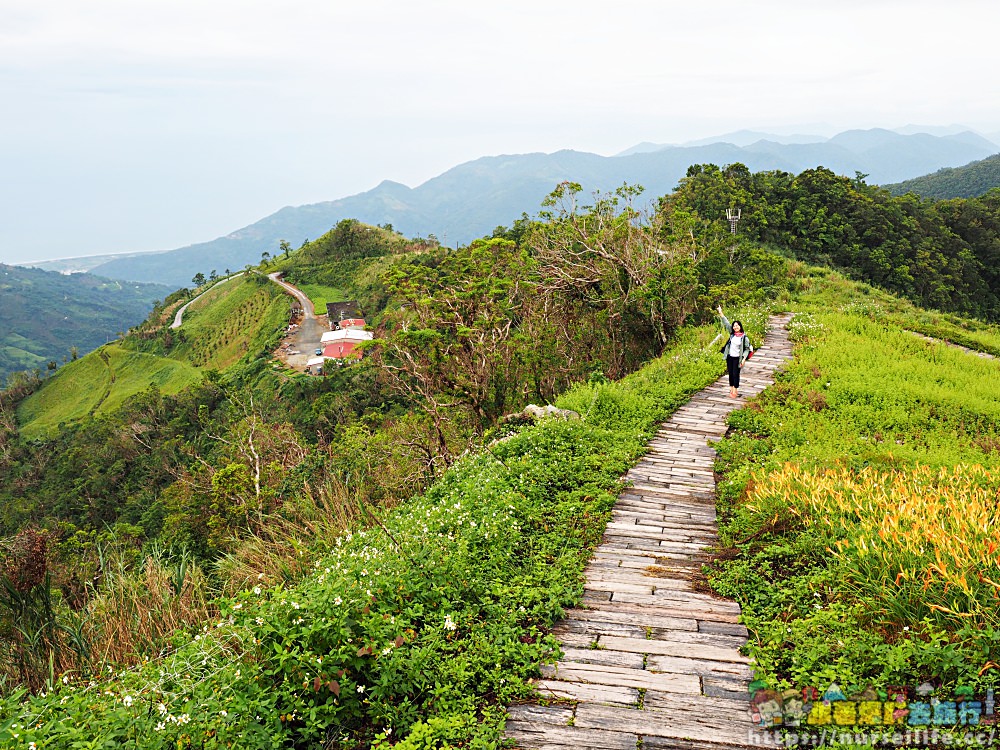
[740, 324]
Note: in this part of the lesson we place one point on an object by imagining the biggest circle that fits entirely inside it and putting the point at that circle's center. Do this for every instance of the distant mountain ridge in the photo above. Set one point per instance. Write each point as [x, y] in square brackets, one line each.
[471, 199]
[969, 181]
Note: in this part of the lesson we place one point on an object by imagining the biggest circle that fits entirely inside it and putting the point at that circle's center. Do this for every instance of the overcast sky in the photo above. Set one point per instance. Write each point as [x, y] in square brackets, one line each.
[135, 125]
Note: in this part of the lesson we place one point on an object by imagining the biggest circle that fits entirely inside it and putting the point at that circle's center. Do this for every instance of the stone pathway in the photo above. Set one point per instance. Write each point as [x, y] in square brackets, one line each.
[652, 662]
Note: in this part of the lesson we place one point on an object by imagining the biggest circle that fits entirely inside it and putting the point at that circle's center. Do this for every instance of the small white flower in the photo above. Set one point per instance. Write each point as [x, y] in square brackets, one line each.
[449, 623]
[260, 576]
[361, 688]
[338, 601]
[257, 590]
[223, 713]
[162, 709]
[127, 700]
[65, 679]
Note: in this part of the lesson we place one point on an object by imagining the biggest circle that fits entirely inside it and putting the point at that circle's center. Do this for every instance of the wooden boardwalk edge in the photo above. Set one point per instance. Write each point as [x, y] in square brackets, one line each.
[652, 662]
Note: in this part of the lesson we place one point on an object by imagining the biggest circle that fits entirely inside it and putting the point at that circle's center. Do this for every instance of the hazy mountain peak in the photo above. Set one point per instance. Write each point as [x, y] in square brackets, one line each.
[471, 199]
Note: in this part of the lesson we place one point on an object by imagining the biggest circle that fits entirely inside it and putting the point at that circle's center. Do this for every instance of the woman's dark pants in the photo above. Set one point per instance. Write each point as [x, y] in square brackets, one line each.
[733, 366]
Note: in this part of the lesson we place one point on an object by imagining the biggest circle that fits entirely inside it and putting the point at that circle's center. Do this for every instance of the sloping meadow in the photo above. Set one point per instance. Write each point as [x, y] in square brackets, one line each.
[860, 500]
[414, 632]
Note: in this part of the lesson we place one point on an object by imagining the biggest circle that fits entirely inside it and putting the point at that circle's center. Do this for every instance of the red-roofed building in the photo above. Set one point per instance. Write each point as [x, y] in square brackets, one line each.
[352, 323]
[341, 350]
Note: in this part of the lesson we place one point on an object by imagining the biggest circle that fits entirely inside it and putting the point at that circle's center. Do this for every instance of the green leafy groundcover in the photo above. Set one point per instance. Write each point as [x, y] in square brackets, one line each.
[414, 633]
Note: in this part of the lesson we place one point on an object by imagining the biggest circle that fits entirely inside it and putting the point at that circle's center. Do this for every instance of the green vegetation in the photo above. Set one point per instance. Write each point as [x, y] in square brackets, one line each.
[386, 547]
[859, 498]
[219, 329]
[422, 627]
[938, 255]
[47, 318]
[229, 320]
[320, 294]
[971, 181]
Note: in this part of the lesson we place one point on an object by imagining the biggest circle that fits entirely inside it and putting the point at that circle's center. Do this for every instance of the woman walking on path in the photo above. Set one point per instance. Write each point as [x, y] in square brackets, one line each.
[736, 351]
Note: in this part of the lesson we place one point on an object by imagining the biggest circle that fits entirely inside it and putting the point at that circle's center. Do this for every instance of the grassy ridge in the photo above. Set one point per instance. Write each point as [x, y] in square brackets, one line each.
[224, 324]
[857, 498]
[416, 631]
[97, 383]
[219, 329]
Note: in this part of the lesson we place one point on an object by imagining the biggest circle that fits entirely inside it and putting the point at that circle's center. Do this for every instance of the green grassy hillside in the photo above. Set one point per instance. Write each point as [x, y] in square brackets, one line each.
[99, 383]
[218, 330]
[222, 326]
[376, 558]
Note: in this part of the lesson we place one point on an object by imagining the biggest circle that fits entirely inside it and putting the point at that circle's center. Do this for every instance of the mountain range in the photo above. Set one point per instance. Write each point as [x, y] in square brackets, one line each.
[471, 199]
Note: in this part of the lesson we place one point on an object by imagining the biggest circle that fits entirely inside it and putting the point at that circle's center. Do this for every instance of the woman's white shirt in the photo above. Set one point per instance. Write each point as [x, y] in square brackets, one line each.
[736, 346]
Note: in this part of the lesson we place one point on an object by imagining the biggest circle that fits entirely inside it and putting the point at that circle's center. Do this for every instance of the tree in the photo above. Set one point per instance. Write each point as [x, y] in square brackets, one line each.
[199, 279]
[213, 275]
[285, 247]
[609, 256]
[265, 257]
[456, 346]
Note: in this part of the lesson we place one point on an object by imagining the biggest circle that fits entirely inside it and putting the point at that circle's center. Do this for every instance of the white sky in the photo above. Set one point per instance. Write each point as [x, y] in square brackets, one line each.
[150, 124]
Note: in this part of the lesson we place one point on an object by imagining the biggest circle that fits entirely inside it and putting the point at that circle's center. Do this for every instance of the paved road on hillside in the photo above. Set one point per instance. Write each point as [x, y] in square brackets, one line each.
[179, 317]
[305, 339]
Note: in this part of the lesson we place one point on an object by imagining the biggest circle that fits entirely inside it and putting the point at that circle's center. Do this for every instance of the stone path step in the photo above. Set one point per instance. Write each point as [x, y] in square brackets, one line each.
[652, 662]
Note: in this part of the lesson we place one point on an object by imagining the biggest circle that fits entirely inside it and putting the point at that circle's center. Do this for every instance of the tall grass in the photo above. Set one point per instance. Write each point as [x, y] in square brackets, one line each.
[287, 544]
[912, 543]
[136, 609]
